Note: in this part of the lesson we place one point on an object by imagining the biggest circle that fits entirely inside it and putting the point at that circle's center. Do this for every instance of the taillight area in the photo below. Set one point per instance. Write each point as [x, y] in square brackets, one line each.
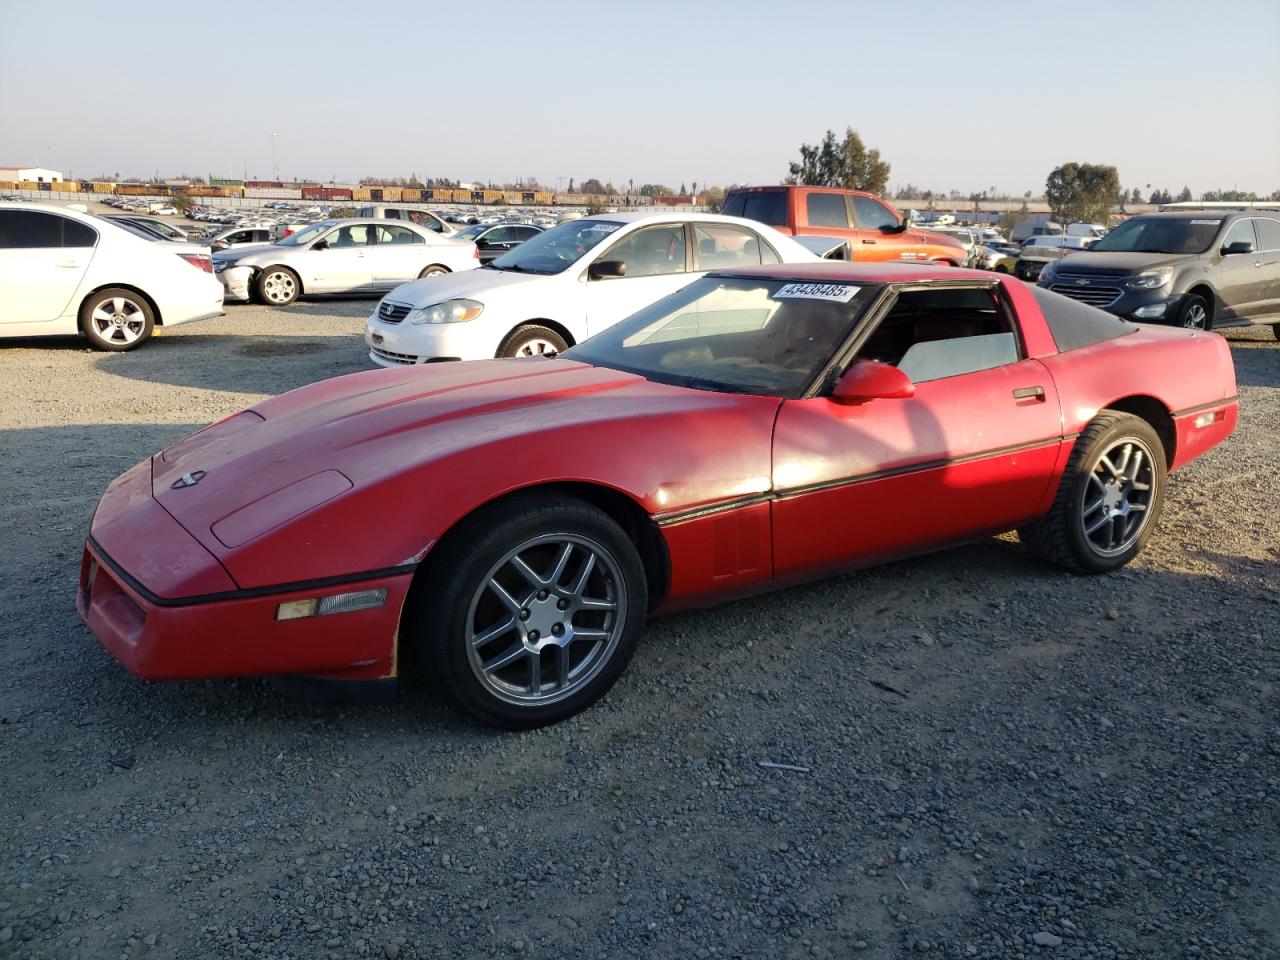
[475, 253]
[200, 261]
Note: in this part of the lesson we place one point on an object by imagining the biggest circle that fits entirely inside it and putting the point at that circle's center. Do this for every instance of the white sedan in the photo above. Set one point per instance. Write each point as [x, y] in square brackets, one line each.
[340, 256]
[63, 271]
[565, 285]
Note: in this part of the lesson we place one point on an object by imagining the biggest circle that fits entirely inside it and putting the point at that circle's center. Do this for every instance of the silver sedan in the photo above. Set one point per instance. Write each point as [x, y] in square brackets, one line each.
[340, 256]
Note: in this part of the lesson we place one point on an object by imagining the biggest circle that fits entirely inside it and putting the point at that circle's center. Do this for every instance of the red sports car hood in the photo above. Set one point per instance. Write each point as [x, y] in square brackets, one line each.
[388, 444]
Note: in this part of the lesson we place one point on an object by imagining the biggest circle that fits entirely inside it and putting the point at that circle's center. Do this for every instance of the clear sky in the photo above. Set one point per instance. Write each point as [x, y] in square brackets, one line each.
[955, 95]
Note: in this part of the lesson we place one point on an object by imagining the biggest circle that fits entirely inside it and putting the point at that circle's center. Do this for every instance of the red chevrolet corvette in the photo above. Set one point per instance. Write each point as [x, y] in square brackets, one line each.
[512, 522]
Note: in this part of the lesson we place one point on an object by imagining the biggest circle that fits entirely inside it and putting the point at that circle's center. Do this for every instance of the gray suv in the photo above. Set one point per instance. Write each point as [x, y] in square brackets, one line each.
[1201, 269]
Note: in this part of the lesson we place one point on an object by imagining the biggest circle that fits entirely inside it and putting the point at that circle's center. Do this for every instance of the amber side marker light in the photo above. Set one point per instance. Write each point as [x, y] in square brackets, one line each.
[1205, 419]
[338, 603]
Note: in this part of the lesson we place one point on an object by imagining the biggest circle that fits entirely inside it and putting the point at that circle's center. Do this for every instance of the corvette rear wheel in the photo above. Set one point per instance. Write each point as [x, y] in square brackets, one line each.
[531, 612]
[1108, 500]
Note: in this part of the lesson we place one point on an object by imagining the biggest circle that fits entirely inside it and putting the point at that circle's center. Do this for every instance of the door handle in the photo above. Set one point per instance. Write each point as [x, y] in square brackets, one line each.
[1029, 393]
[864, 240]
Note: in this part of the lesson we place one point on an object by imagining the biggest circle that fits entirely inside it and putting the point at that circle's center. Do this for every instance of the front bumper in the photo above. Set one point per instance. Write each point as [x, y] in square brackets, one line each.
[403, 344]
[1157, 305]
[236, 634]
[165, 607]
[236, 283]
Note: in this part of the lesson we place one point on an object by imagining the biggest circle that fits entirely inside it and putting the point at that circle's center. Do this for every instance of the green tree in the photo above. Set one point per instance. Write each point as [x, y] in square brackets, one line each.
[182, 203]
[682, 191]
[1082, 192]
[1185, 195]
[714, 198]
[1135, 196]
[840, 163]
[654, 190]
[592, 186]
[1229, 196]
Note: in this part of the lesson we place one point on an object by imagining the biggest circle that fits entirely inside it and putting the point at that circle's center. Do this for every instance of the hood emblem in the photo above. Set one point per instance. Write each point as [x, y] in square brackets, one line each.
[187, 480]
[1082, 283]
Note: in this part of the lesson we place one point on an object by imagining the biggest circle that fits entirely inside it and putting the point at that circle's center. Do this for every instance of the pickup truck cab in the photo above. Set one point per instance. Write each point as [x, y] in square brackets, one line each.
[876, 231]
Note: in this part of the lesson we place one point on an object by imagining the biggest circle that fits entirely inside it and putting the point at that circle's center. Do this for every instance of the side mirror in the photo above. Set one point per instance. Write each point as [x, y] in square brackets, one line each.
[896, 227]
[607, 270]
[868, 380]
[1239, 246]
[320, 245]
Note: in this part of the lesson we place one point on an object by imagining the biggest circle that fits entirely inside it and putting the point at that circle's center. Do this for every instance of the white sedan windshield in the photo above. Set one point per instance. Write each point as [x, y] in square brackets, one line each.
[557, 249]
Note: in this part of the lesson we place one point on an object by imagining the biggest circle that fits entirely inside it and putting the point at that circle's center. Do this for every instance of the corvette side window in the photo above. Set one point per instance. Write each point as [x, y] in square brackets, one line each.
[932, 334]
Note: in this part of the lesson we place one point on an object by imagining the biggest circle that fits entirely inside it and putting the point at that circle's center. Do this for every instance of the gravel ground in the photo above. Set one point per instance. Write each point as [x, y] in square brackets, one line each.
[992, 758]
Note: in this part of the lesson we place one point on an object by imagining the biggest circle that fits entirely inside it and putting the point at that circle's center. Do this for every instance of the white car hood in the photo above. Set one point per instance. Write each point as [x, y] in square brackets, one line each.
[476, 284]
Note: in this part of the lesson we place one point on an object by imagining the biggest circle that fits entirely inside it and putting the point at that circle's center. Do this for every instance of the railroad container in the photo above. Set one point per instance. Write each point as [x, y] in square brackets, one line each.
[411, 195]
[263, 184]
[273, 193]
[326, 193]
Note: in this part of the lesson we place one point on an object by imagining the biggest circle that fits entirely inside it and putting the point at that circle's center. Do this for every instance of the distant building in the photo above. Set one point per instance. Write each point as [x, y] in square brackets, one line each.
[30, 175]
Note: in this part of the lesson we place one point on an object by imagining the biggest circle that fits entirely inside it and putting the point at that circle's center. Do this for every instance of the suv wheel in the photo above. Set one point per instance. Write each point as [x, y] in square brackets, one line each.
[1194, 313]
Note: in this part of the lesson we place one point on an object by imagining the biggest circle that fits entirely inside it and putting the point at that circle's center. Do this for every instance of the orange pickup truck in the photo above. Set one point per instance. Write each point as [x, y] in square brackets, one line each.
[874, 229]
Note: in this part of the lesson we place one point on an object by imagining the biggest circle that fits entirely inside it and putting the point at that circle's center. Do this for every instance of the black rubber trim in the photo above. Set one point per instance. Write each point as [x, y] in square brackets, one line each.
[159, 601]
[697, 513]
[1201, 407]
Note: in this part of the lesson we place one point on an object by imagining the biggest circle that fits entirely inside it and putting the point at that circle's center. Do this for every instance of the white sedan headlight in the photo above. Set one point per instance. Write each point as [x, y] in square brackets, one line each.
[451, 311]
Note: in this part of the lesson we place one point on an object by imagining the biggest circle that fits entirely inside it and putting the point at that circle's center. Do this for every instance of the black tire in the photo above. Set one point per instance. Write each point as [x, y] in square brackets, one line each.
[1061, 537]
[1001, 268]
[435, 270]
[277, 286]
[447, 605]
[116, 319]
[532, 340]
[1275, 330]
[1195, 313]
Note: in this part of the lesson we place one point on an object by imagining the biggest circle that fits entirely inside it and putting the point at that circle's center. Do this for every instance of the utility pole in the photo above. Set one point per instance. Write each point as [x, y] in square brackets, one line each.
[275, 166]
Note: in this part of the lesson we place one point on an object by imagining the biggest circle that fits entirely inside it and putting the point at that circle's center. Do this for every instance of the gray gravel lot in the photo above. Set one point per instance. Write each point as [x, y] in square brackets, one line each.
[996, 759]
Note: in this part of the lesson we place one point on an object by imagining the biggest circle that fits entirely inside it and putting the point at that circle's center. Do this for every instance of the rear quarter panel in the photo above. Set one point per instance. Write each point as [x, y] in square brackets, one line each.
[1188, 372]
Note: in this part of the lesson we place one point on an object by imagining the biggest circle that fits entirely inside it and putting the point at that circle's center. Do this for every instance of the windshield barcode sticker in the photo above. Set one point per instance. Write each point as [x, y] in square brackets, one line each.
[839, 292]
[1205, 223]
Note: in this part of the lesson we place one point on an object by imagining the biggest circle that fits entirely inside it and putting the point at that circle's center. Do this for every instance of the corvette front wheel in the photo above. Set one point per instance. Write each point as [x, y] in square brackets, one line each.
[531, 612]
[1108, 500]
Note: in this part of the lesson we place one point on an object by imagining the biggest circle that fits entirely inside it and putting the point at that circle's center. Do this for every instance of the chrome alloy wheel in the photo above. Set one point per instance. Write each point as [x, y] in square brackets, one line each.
[546, 619]
[1114, 510]
[118, 320]
[1195, 317]
[279, 287]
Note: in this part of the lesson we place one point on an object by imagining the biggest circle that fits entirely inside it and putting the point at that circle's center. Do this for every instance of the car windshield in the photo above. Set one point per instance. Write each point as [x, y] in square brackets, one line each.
[734, 335]
[470, 233]
[305, 235]
[1160, 235]
[557, 249]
